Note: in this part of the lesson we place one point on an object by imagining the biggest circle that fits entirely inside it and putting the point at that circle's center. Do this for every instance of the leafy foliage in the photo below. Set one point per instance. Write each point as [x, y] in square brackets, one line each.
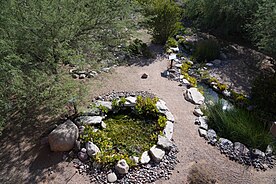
[184, 71]
[146, 106]
[206, 50]
[138, 48]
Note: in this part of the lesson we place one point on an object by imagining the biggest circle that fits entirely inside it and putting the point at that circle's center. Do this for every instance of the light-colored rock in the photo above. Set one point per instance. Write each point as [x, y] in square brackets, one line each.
[209, 64]
[198, 112]
[240, 149]
[202, 132]
[164, 142]
[157, 153]
[168, 130]
[269, 150]
[203, 122]
[172, 57]
[111, 177]
[63, 137]
[103, 125]
[226, 93]
[194, 96]
[225, 142]
[145, 158]
[161, 106]
[178, 65]
[134, 159]
[106, 104]
[106, 70]
[211, 135]
[273, 129]
[181, 77]
[190, 62]
[169, 116]
[186, 82]
[89, 120]
[122, 167]
[130, 101]
[82, 156]
[258, 153]
[174, 49]
[82, 76]
[91, 149]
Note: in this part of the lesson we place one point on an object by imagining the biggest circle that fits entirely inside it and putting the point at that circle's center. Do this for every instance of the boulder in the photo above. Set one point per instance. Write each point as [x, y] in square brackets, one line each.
[145, 158]
[134, 159]
[240, 149]
[211, 136]
[198, 112]
[168, 130]
[258, 153]
[89, 120]
[172, 57]
[111, 177]
[225, 144]
[169, 116]
[106, 104]
[269, 150]
[161, 106]
[91, 149]
[63, 137]
[157, 153]
[194, 96]
[164, 142]
[209, 64]
[202, 132]
[122, 167]
[203, 122]
[130, 101]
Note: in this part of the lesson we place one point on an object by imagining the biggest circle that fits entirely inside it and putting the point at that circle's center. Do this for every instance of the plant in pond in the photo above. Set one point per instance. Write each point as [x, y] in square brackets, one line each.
[146, 106]
[123, 137]
[239, 125]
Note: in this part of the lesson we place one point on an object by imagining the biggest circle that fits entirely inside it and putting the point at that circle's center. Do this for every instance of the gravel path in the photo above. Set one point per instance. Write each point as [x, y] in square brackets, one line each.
[193, 150]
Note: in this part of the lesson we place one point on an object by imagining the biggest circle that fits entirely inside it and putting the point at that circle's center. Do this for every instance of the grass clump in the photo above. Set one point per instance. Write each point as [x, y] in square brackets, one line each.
[206, 50]
[171, 42]
[184, 71]
[239, 125]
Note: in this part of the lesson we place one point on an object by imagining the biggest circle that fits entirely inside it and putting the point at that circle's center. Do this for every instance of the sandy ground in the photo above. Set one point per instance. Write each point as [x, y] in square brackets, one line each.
[25, 161]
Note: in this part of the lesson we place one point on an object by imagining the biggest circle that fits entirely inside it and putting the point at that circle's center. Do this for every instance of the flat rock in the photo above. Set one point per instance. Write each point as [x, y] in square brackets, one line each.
[164, 142]
[157, 153]
[169, 116]
[202, 132]
[240, 149]
[211, 135]
[122, 167]
[168, 130]
[89, 120]
[91, 149]
[145, 158]
[194, 96]
[103, 125]
[161, 106]
[111, 177]
[198, 112]
[63, 137]
[258, 153]
[130, 101]
[178, 65]
[106, 104]
[203, 122]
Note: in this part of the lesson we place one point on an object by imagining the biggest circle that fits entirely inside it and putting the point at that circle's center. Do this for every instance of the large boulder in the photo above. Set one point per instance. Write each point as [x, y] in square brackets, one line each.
[89, 120]
[168, 130]
[161, 106]
[194, 96]
[63, 137]
[122, 167]
[164, 142]
[145, 158]
[157, 153]
[91, 149]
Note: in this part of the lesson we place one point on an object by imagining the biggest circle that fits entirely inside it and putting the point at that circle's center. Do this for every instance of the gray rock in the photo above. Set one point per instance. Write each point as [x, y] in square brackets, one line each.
[174, 49]
[240, 149]
[145, 158]
[75, 76]
[168, 130]
[209, 64]
[106, 70]
[106, 104]
[269, 150]
[161, 106]
[203, 122]
[91, 149]
[211, 135]
[164, 142]
[130, 101]
[216, 62]
[111, 177]
[202, 132]
[82, 156]
[82, 76]
[63, 137]
[225, 143]
[157, 153]
[169, 116]
[198, 112]
[258, 153]
[134, 159]
[122, 167]
[226, 93]
[194, 96]
[89, 120]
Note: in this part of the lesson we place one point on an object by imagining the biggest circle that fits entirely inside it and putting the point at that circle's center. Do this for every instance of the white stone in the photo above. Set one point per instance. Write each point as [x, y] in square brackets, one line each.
[181, 77]
[198, 112]
[178, 65]
[258, 153]
[186, 82]
[111, 177]
[172, 57]
[226, 93]
[269, 150]
[145, 158]
[202, 132]
[134, 159]
[91, 149]
[169, 116]
[103, 125]
[164, 142]
[168, 130]
[209, 64]
[106, 104]
[203, 122]
[63, 137]
[157, 153]
[190, 62]
[122, 167]
[194, 96]
[89, 120]
[161, 106]
[240, 149]
[174, 49]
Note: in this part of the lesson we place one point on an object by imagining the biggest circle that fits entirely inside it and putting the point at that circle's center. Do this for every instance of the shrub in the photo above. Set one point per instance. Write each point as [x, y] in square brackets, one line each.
[146, 106]
[239, 125]
[184, 71]
[138, 48]
[171, 42]
[206, 50]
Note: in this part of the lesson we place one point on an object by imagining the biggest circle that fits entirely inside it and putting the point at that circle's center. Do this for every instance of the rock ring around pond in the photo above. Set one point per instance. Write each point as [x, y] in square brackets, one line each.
[163, 149]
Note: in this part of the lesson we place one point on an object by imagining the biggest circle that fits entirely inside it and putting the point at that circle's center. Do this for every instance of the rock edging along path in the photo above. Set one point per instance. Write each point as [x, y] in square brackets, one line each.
[156, 163]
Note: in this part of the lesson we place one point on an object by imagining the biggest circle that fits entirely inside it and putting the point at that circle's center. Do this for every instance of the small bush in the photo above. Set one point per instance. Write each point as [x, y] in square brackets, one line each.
[206, 50]
[184, 71]
[138, 48]
[239, 125]
[146, 106]
[171, 42]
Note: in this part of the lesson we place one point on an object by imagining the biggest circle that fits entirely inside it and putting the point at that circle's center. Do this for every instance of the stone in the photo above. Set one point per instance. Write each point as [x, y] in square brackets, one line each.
[186, 82]
[216, 62]
[181, 77]
[166, 73]
[209, 64]
[82, 76]
[198, 112]
[106, 70]
[258, 153]
[211, 135]
[194, 96]
[203, 122]
[91, 149]
[77, 145]
[122, 167]
[178, 65]
[81, 72]
[89, 120]
[82, 156]
[81, 129]
[75, 76]
[225, 143]
[168, 130]
[240, 149]
[73, 70]
[202, 132]
[144, 76]
[106, 104]
[226, 93]
[134, 159]
[145, 158]
[273, 129]
[161, 106]
[103, 125]
[157, 153]
[169, 116]
[111, 177]
[90, 75]
[130, 101]
[269, 150]
[164, 142]
[174, 49]
[63, 137]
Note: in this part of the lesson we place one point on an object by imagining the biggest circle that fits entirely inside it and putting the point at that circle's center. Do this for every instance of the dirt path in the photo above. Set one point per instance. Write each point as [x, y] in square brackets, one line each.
[193, 150]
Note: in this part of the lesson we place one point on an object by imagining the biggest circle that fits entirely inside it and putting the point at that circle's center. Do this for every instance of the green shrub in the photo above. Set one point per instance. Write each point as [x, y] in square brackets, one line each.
[161, 122]
[184, 71]
[138, 48]
[171, 42]
[206, 50]
[146, 106]
[239, 125]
